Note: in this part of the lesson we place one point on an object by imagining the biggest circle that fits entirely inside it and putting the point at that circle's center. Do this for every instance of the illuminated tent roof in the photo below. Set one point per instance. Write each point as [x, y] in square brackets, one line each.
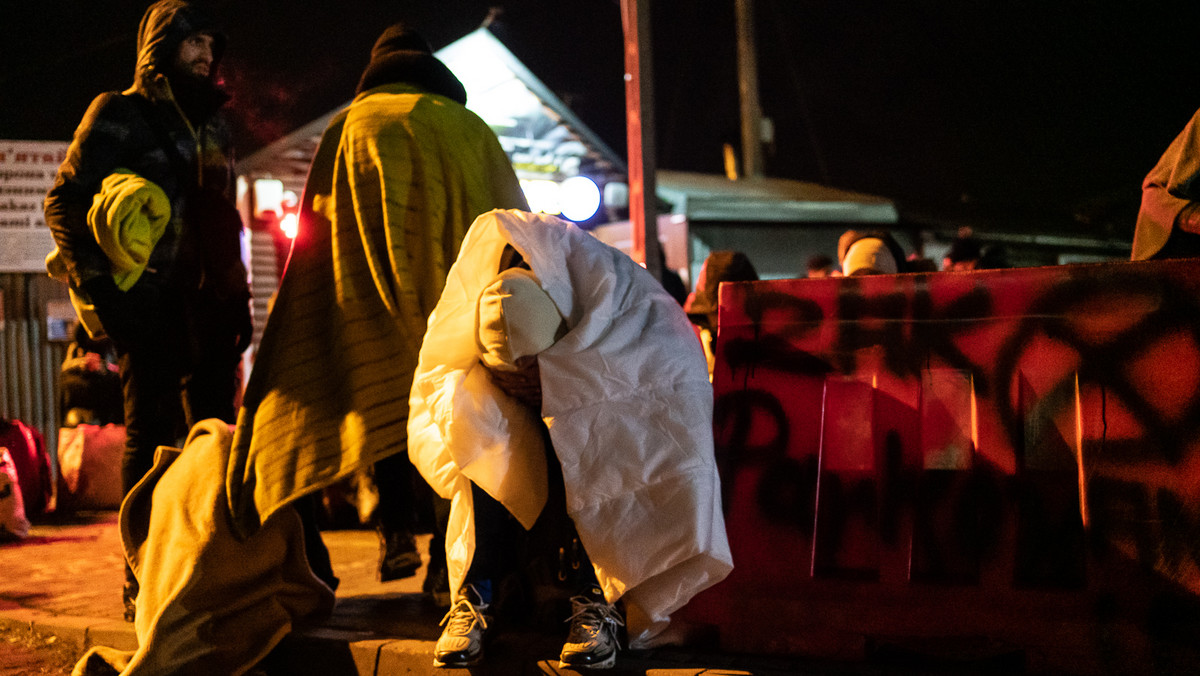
[542, 137]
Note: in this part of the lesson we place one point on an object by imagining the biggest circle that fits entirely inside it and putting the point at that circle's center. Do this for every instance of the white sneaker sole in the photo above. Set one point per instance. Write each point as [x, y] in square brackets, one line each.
[458, 665]
[606, 664]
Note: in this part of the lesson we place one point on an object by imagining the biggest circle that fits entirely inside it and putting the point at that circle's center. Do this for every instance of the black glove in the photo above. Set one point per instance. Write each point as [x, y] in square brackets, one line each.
[125, 315]
[102, 290]
[110, 307]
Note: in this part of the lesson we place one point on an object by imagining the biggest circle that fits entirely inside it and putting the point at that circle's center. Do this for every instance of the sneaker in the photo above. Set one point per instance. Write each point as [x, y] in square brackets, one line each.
[461, 642]
[592, 642]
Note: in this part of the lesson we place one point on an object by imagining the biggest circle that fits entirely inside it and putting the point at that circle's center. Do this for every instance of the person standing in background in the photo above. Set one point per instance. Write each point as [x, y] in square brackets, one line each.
[179, 318]
[395, 183]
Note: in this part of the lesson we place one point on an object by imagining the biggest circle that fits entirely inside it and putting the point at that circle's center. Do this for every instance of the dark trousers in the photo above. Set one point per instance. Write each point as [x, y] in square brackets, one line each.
[169, 381]
[168, 385]
[397, 508]
[502, 546]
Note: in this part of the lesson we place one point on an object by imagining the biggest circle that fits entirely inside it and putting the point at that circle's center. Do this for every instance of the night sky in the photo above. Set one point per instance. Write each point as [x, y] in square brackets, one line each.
[1043, 113]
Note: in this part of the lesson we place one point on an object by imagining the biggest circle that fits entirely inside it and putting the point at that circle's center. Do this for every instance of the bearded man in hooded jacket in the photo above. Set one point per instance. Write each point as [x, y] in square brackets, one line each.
[180, 328]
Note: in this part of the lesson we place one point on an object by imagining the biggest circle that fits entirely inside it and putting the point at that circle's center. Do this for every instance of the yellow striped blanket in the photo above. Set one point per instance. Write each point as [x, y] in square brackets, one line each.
[396, 182]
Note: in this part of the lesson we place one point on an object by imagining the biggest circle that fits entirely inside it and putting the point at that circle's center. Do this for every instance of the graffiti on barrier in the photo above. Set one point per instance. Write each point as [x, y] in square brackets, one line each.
[953, 426]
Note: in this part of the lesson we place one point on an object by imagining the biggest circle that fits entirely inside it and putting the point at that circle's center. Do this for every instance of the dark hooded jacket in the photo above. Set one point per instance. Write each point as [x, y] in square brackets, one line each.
[130, 129]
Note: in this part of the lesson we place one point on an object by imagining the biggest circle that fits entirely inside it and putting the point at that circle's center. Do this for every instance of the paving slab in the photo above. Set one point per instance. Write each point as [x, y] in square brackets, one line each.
[65, 581]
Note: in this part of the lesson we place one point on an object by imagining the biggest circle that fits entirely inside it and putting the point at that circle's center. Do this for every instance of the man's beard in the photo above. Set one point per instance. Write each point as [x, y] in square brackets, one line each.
[198, 97]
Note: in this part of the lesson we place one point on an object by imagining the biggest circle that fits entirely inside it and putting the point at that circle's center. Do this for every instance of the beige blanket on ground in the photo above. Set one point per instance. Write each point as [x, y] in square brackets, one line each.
[210, 603]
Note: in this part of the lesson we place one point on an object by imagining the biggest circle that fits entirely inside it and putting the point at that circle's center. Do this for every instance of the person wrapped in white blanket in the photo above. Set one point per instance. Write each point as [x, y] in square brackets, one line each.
[543, 327]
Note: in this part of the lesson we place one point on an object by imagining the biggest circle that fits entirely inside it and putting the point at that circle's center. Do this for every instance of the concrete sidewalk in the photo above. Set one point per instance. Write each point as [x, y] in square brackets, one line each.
[65, 580]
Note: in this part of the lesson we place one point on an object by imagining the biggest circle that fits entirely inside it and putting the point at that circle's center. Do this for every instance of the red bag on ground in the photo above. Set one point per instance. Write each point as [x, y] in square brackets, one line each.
[13, 524]
[89, 459]
[27, 448]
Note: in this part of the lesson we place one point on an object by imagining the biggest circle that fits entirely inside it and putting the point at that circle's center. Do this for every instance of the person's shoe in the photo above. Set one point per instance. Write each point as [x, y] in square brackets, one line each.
[461, 642]
[398, 557]
[592, 642]
[129, 600]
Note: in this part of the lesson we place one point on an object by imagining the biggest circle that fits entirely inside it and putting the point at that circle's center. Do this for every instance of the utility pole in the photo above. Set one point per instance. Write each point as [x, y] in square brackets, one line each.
[639, 128]
[752, 164]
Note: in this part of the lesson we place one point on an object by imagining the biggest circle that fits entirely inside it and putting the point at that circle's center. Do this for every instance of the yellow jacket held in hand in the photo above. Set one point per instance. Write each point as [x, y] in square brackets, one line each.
[127, 218]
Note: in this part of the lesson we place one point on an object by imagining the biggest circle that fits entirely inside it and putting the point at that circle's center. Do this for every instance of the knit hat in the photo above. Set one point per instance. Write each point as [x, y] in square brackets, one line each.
[399, 38]
[401, 54]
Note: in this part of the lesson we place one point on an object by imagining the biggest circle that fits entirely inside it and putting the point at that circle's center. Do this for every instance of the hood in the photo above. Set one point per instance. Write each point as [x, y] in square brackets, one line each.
[164, 26]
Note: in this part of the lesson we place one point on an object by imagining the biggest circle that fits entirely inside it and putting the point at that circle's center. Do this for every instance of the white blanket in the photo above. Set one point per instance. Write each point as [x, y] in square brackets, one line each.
[629, 407]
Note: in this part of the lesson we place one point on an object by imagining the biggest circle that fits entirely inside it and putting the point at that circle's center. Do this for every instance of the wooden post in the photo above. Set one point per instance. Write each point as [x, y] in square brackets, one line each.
[639, 127]
[752, 164]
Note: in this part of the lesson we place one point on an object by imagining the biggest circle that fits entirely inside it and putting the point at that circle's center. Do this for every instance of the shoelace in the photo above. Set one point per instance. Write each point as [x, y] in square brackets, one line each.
[462, 614]
[594, 613]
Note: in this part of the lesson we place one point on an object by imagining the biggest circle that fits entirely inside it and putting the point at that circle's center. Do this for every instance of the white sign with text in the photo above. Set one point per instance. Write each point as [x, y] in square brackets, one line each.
[27, 171]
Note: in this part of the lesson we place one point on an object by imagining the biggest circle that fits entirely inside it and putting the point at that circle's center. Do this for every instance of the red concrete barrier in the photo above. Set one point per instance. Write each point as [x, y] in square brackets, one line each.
[1007, 455]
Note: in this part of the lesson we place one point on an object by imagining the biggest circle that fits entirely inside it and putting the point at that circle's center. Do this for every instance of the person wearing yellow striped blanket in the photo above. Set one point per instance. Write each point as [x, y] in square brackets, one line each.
[396, 180]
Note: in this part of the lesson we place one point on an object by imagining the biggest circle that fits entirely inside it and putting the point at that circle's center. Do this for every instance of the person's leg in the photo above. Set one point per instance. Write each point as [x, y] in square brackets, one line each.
[437, 575]
[151, 387]
[150, 384]
[461, 642]
[394, 517]
[595, 624]
[210, 387]
[495, 533]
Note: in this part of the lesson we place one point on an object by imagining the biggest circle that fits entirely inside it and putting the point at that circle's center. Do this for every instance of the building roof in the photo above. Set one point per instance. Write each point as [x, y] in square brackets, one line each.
[711, 197]
[545, 139]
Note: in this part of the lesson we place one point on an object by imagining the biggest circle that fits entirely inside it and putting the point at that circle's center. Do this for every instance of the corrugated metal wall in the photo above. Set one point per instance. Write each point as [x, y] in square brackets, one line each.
[29, 363]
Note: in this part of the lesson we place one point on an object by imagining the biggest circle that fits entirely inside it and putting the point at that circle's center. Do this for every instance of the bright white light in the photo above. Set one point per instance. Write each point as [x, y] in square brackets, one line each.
[580, 198]
[505, 103]
[289, 224]
[268, 196]
[542, 195]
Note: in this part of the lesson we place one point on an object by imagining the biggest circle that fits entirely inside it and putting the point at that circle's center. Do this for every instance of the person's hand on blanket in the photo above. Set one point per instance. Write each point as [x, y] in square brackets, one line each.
[524, 384]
